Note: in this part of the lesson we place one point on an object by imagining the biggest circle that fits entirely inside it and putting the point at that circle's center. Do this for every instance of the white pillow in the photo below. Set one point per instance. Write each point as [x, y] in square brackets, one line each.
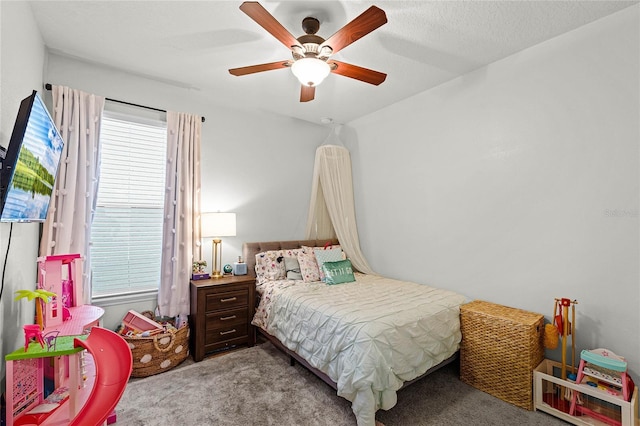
[332, 254]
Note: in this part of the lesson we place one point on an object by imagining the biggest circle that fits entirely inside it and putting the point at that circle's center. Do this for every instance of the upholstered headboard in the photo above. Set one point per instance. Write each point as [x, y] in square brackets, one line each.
[249, 250]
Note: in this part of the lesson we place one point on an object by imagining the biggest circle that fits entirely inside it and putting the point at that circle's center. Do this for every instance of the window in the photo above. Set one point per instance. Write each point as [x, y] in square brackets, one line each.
[126, 234]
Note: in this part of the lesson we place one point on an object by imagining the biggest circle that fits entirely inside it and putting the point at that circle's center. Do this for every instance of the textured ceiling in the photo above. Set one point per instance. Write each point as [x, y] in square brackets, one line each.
[192, 44]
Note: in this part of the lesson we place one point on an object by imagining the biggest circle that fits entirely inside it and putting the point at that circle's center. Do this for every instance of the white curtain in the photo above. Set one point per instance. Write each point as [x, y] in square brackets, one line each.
[332, 210]
[67, 230]
[181, 229]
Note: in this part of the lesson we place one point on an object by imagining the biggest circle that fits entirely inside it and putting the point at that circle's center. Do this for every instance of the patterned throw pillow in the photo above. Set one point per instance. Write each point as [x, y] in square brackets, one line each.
[338, 272]
[270, 266]
[291, 252]
[332, 254]
[308, 265]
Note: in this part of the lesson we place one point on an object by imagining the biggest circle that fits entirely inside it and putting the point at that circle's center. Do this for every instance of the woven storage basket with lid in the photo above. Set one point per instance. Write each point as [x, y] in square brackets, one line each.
[500, 348]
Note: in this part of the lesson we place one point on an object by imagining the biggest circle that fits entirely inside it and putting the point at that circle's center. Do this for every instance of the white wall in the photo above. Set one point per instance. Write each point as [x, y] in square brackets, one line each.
[517, 183]
[22, 59]
[255, 164]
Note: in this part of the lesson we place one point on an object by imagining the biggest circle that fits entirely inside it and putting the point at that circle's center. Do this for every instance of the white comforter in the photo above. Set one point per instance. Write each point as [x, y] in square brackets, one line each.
[368, 336]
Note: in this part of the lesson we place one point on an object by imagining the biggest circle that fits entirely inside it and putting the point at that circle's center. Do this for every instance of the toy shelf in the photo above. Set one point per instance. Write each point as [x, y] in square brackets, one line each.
[553, 395]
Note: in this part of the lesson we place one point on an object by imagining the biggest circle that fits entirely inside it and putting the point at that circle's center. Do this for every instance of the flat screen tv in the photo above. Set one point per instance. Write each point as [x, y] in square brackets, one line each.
[30, 165]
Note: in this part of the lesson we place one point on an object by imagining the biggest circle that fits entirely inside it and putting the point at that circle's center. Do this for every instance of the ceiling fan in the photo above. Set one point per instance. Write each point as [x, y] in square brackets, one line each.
[311, 61]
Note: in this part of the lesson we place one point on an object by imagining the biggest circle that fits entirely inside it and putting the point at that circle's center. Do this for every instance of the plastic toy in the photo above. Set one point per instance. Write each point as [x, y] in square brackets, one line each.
[113, 363]
[61, 275]
[59, 363]
[32, 331]
[41, 297]
[604, 370]
[566, 327]
[50, 339]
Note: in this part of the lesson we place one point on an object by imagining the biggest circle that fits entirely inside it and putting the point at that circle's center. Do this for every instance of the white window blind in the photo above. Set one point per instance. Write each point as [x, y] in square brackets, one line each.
[126, 234]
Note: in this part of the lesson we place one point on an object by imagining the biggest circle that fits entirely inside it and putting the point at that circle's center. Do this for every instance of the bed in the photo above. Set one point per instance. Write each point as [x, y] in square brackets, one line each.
[366, 338]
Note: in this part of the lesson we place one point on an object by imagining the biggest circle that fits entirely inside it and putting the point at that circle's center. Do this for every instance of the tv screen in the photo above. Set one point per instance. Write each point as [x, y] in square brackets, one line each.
[31, 164]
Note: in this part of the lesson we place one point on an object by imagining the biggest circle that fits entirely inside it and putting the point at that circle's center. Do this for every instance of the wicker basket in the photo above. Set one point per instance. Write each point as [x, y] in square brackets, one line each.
[159, 353]
[500, 348]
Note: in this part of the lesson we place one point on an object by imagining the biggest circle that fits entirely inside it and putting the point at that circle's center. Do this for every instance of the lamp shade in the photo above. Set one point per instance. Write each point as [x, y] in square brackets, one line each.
[310, 71]
[218, 224]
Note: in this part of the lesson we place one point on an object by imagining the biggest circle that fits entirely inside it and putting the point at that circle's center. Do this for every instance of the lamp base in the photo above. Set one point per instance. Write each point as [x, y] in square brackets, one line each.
[216, 253]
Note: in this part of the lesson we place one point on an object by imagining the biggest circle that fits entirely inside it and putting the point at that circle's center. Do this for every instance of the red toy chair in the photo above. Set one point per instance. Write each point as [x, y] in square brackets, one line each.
[32, 331]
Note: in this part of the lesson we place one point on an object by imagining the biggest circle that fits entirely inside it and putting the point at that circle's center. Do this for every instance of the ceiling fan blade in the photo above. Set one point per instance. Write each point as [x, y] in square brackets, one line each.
[307, 93]
[259, 14]
[259, 68]
[356, 72]
[362, 25]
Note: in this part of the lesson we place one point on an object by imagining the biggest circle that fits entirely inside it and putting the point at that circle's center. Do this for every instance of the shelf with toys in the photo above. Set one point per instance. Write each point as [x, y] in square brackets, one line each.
[598, 392]
[553, 395]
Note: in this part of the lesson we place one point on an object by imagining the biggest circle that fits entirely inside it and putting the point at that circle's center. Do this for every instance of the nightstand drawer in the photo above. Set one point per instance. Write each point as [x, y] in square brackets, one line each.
[226, 333]
[226, 300]
[225, 319]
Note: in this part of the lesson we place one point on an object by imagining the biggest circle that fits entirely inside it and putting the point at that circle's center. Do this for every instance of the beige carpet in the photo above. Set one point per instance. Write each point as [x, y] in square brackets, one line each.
[257, 386]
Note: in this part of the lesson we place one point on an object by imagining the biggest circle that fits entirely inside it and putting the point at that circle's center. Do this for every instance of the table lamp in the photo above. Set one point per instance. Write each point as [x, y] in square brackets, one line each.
[216, 225]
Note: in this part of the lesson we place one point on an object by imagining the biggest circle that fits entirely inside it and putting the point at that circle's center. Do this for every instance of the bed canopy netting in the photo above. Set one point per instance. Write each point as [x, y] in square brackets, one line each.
[332, 211]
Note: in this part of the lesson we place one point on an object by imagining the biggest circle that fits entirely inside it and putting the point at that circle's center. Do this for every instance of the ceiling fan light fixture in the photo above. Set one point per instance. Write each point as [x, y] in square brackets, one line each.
[310, 71]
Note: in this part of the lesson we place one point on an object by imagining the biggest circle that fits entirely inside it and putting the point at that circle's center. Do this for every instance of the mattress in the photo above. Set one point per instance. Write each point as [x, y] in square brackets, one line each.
[368, 336]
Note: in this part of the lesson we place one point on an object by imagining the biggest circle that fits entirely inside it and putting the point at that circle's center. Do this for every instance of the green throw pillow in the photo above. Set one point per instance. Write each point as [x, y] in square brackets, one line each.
[338, 272]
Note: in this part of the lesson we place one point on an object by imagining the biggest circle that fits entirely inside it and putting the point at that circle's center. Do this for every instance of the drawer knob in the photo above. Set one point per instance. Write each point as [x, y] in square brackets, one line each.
[228, 318]
[222, 333]
[230, 299]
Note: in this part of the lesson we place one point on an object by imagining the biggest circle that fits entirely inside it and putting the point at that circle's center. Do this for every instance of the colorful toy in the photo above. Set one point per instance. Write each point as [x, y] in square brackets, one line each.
[50, 339]
[566, 328]
[113, 363]
[606, 371]
[41, 297]
[551, 336]
[61, 275]
[61, 364]
[32, 331]
[30, 373]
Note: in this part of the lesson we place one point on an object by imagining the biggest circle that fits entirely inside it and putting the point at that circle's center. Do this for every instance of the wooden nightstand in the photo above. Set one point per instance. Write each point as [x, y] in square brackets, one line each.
[221, 314]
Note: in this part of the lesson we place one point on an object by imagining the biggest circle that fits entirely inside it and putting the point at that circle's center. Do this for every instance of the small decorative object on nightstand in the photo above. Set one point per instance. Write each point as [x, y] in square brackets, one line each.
[221, 314]
[239, 267]
[198, 272]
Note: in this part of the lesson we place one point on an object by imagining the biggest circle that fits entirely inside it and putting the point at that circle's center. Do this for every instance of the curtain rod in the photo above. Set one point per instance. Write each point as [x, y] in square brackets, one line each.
[48, 87]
